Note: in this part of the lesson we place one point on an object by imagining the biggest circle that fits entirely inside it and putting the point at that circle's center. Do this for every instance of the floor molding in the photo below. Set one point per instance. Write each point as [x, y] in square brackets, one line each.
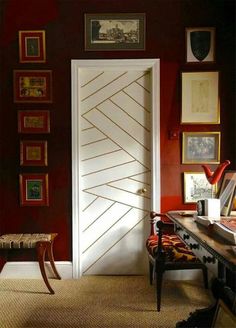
[30, 270]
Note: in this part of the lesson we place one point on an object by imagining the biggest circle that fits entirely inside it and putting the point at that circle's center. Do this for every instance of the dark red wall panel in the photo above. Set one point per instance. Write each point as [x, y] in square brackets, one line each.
[63, 21]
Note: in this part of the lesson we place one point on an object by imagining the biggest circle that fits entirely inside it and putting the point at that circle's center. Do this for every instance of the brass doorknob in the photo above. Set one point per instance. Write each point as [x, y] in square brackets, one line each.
[143, 191]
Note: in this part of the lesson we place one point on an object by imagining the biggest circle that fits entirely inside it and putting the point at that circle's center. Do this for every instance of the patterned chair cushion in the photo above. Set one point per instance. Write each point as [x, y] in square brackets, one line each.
[174, 248]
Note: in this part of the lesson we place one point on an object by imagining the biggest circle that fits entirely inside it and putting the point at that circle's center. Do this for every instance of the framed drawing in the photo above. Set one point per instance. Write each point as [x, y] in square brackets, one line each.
[197, 187]
[32, 86]
[33, 121]
[223, 317]
[227, 192]
[34, 189]
[115, 31]
[200, 44]
[33, 153]
[200, 98]
[200, 147]
[32, 47]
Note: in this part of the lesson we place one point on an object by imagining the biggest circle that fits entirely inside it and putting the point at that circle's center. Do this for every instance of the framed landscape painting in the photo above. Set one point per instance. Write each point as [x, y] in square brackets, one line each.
[201, 148]
[115, 31]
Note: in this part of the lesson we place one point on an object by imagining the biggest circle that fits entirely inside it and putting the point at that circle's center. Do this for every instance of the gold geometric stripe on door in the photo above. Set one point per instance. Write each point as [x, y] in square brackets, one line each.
[115, 165]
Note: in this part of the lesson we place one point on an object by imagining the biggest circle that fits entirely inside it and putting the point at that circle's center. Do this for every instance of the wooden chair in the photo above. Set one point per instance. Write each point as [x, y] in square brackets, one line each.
[166, 251]
[43, 243]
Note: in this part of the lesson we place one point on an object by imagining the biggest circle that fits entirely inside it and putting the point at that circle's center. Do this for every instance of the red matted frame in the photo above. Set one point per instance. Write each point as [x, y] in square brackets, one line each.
[34, 189]
[32, 86]
[33, 153]
[32, 47]
[33, 121]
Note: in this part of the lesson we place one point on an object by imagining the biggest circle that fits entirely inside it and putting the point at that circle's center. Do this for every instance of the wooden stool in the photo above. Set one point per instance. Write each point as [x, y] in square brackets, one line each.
[42, 242]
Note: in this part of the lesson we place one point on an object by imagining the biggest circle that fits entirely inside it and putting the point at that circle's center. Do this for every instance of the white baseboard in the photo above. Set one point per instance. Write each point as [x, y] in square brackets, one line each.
[30, 270]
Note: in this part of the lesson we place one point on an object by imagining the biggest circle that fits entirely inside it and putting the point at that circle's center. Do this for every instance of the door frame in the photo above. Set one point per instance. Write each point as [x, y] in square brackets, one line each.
[130, 64]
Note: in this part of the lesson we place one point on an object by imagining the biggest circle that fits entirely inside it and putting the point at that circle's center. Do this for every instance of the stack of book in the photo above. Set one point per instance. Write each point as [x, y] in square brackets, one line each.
[225, 227]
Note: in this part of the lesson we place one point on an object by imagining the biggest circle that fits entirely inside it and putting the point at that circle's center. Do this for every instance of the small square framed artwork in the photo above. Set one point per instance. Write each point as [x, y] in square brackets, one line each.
[33, 121]
[197, 187]
[200, 44]
[200, 98]
[227, 192]
[33, 153]
[115, 31]
[32, 48]
[201, 147]
[34, 189]
[32, 86]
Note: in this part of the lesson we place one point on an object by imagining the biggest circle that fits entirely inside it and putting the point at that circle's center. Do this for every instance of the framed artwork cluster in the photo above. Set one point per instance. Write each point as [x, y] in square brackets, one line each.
[33, 86]
[200, 105]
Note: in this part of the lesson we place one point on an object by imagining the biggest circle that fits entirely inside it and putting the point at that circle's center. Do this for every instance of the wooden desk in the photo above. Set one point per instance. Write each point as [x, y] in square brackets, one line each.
[210, 248]
[219, 257]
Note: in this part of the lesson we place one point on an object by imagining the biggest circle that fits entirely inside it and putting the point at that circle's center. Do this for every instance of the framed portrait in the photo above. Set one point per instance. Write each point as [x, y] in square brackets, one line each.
[223, 317]
[32, 86]
[200, 44]
[200, 98]
[197, 187]
[34, 189]
[33, 153]
[33, 121]
[115, 31]
[227, 192]
[32, 48]
[201, 147]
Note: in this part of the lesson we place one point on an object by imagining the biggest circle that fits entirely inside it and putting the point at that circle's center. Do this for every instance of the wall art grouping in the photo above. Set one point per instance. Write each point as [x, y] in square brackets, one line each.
[200, 105]
[33, 86]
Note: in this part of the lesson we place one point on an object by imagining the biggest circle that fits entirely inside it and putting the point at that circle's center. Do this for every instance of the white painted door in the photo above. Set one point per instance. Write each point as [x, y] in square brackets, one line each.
[114, 144]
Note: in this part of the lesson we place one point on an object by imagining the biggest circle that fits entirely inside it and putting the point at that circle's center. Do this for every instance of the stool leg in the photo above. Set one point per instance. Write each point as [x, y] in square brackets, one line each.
[51, 259]
[41, 247]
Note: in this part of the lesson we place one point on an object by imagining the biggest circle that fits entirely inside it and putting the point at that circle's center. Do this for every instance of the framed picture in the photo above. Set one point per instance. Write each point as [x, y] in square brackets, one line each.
[223, 317]
[197, 187]
[227, 192]
[33, 121]
[32, 86]
[34, 189]
[200, 98]
[200, 147]
[115, 31]
[33, 153]
[32, 47]
[200, 44]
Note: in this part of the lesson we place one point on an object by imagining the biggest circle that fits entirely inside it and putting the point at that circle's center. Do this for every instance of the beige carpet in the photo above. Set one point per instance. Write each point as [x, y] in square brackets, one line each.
[97, 301]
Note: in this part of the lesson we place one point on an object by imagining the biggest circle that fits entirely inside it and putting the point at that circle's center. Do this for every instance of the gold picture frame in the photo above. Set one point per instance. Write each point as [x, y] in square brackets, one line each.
[201, 147]
[32, 46]
[200, 98]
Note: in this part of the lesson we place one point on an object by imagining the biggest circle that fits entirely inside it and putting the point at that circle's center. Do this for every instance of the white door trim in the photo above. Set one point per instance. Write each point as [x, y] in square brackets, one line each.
[131, 64]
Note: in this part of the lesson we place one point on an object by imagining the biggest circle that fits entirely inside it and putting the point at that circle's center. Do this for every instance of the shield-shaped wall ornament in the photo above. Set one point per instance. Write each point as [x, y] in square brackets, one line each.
[200, 44]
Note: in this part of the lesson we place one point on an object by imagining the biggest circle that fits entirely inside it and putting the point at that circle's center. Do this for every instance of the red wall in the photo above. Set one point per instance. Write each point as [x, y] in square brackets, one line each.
[63, 21]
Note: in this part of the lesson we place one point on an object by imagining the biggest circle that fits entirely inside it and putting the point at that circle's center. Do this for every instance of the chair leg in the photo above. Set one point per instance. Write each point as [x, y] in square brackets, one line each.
[205, 276]
[151, 268]
[160, 263]
[41, 247]
[51, 259]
